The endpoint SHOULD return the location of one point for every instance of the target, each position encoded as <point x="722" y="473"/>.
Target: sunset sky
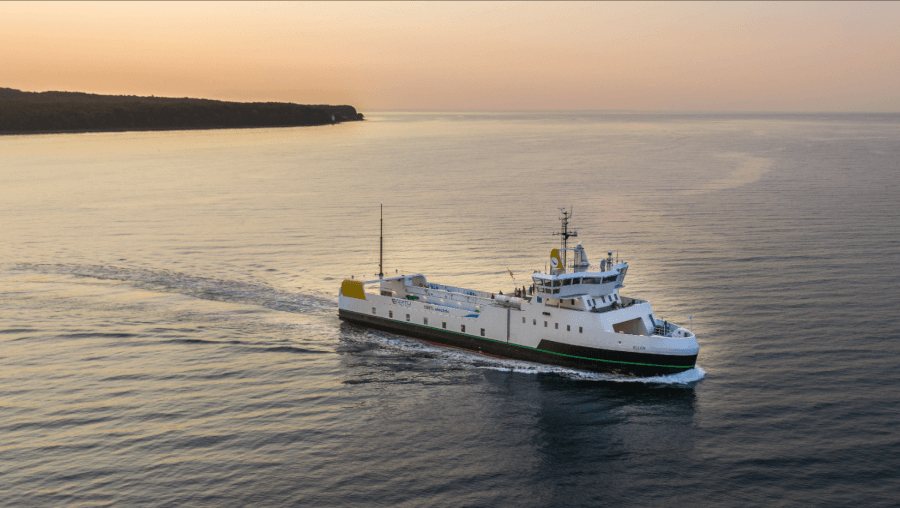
<point x="741" y="56"/>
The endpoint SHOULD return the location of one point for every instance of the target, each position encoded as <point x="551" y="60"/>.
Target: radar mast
<point x="565" y="233"/>
<point x="381" y="244"/>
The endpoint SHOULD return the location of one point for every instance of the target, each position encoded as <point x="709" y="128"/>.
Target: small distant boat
<point x="569" y="317"/>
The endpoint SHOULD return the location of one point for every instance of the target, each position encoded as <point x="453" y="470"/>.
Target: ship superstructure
<point x="571" y="317"/>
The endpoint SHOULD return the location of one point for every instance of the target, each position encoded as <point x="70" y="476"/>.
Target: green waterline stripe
<point x="528" y="347"/>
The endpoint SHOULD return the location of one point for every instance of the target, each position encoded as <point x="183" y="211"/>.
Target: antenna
<point x="565" y="233"/>
<point x="381" y="244"/>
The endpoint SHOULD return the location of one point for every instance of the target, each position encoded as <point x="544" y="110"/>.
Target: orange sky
<point x="467" y="56"/>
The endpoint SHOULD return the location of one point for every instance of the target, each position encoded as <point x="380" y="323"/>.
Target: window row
<point x="556" y="283"/>
<point x="462" y="328"/>
<point x="555" y="325"/>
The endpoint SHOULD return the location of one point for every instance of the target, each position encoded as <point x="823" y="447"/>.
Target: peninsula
<point x="44" y="112"/>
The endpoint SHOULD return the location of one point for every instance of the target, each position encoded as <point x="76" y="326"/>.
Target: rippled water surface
<point x="169" y="331"/>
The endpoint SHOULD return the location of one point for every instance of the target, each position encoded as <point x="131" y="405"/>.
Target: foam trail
<point x="199" y="287"/>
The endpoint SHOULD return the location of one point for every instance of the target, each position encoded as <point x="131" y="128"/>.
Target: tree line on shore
<point x="28" y="112"/>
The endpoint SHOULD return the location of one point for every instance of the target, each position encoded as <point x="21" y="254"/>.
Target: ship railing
<point x="477" y="298"/>
<point x="666" y="329"/>
<point x="452" y="289"/>
<point x="627" y="301"/>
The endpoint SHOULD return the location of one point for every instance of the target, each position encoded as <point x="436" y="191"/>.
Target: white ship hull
<point x="623" y="337"/>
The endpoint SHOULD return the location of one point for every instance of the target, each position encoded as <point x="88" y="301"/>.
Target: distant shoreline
<point x="75" y="112"/>
<point x="98" y="131"/>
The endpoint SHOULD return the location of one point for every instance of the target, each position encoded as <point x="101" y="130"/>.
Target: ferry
<point x="570" y="316"/>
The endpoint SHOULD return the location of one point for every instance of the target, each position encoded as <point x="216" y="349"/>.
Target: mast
<point x="381" y="244"/>
<point x="565" y="234"/>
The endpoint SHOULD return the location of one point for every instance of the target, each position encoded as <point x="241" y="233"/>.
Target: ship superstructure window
<point x="556" y="325"/>
<point x="568" y="328"/>
<point x="579" y="329"/>
<point x="523" y="319"/>
<point x="482" y="332"/>
<point x="407" y="318"/>
<point x="373" y="310"/>
<point x="426" y="321"/>
<point x="390" y="314"/>
<point x="545" y="324"/>
<point x="462" y="328"/>
<point x="444" y="324"/>
<point x="535" y="322"/>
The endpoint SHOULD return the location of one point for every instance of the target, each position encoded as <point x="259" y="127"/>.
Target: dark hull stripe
<point x="548" y="352"/>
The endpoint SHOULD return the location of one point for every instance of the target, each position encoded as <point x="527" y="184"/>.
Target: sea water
<point x="169" y="331"/>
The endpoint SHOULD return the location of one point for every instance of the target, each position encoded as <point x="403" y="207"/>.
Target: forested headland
<point x="37" y="112"/>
